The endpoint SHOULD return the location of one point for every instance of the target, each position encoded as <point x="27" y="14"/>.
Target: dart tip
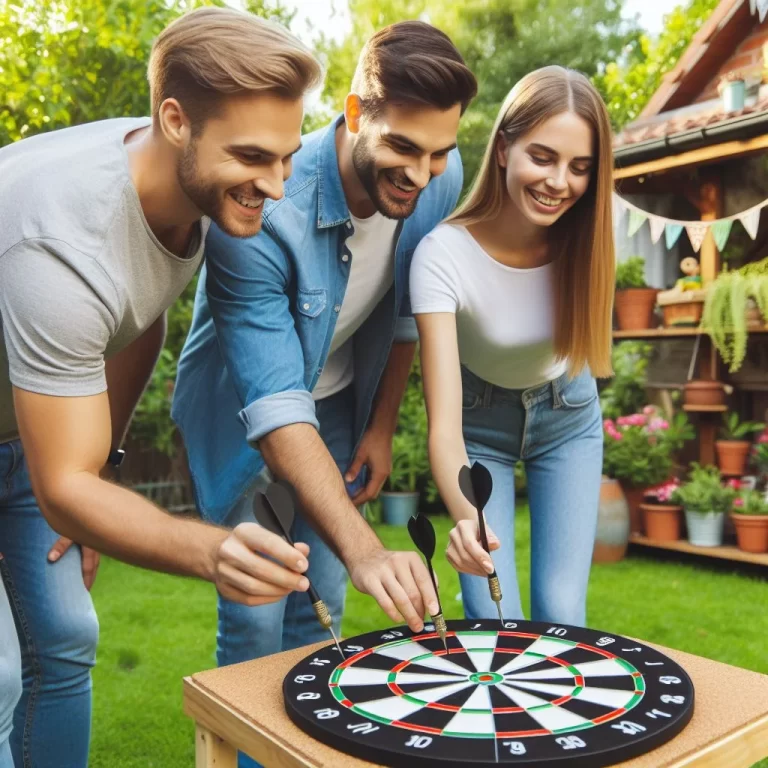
<point x="501" y="618"/>
<point x="336" y="640"/>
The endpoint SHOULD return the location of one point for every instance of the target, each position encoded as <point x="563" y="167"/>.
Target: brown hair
<point x="586" y="262"/>
<point x="210" y="53"/>
<point x="412" y="62"/>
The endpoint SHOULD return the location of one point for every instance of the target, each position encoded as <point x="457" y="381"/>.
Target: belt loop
<point x="556" y="401"/>
<point x="487" y="395"/>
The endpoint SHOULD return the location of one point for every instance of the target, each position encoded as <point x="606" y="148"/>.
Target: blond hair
<point x="585" y="263"/>
<point x="210" y="53"/>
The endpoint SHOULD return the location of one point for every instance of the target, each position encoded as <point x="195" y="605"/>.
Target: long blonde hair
<point x="585" y="263"/>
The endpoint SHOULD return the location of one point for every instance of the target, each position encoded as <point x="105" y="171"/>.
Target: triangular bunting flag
<point x="720" y="231"/>
<point x="751" y="221"/>
<point x="671" y="233"/>
<point x="636" y="219"/>
<point x="697" y="231"/>
<point x="618" y="209"/>
<point x="657" y="228"/>
<point x="762" y="9"/>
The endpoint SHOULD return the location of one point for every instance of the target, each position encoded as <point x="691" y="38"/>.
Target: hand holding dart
<point x="476" y="484"/>
<point x="274" y="510"/>
<point x="423" y="535"/>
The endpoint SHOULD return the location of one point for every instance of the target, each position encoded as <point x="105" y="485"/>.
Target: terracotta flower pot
<point x="663" y="522"/>
<point x="732" y="456"/>
<point x="612" y="535"/>
<point x="751" y="532"/>
<point x="634" y="498"/>
<point x="699" y="392"/>
<point x="634" y="308"/>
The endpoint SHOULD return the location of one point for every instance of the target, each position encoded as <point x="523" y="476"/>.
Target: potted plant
<point x="760" y="457"/>
<point x="635" y="301"/>
<point x="733" y="450"/>
<point x="662" y="518"/>
<point x="705" y="501"/>
<point x="732" y="89"/>
<point x="730" y="299"/>
<point x="750" y="516"/>
<point x="639" y="451"/>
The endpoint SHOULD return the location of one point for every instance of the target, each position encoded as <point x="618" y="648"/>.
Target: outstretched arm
<point x="441" y="372"/>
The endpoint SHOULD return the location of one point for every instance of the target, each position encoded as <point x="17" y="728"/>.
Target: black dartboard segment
<point x="532" y="694"/>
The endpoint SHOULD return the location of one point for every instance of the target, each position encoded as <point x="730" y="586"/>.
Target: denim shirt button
<point x="345" y="257"/>
<point x="337" y="308"/>
<point x="306" y="306"/>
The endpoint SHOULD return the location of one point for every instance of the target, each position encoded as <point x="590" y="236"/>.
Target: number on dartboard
<point x="307" y="696"/>
<point x="559" y="631"/>
<point x="654" y="713"/>
<point x="318" y="662"/>
<point x="354" y="648"/>
<point x="510" y="625"/>
<point x="420" y="742"/>
<point x="667" y="699"/>
<point x="392" y="635"/>
<point x="669" y="679"/>
<point x="303" y="678"/>
<point x="628" y="727"/>
<point x="605" y="641"/>
<point x="571" y="742"/>
<point x="653" y="663"/>
<point x="631" y="650"/>
<point x="429" y="628"/>
<point x="515" y="747"/>
<point x="326" y="714"/>
<point x="362" y="727"/>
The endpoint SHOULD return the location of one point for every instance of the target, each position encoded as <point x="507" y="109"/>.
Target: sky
<point x="321" y="14"/>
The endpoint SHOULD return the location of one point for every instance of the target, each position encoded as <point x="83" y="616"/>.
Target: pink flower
<point x="658" y="423"/>
<point x="763" y="437"/>
<point x="649" y="410"/>
<point x="608" y="425"/>
<point x="635" y="420"/>
<point x="738" y="502"/>
<point x="734" y="483"/>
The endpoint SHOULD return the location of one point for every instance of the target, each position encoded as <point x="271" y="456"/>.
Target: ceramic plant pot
<point x="612" y="534"/>
<point x="634" y="308"/>
<point x="398" y="507"/>
<point x="751" y="532"/>
<point x="705" y="529"/>
<point x="732" y="456"/>
<point x="663" y="522"/>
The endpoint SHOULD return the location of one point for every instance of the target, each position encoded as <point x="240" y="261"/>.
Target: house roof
<point x="673" y="109"/>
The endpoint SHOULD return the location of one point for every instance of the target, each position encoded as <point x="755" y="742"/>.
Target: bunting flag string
<point x="696" y="230"/>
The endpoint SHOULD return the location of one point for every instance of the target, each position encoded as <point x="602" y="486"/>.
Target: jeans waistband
<point x="471" y="382"/>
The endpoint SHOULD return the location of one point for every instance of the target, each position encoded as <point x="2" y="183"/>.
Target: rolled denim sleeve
<point x="246" y="289"/>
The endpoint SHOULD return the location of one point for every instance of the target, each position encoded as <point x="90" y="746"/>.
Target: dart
<point x="274" y="510"/>
<point x="423" y="535"/>
<point x="476" y="484"/>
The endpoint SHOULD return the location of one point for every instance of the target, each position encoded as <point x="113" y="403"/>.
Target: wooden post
<point x="212" y="751"/>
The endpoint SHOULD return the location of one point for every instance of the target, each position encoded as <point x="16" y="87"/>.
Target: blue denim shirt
<point x="264" y="319"/>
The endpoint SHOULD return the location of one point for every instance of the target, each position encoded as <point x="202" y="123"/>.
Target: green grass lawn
<point x="155" y="629"/>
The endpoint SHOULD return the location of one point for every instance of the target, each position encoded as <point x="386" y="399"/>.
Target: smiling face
<point x="241" y="157"/>
<point x="548" y="169"/>
<point x="397" y="153"/>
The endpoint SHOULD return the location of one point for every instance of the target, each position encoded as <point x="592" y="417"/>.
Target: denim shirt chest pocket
<point x="312" y="328"/>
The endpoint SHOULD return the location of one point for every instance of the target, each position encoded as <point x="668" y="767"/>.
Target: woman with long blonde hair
<point x="513" y="297"/>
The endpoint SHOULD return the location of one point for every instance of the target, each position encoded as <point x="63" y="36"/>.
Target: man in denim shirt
<point x="293" y="335"/>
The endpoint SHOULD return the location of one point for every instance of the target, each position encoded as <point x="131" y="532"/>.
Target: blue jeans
<point x="556" y="430"/>
<point x="247" y="633"/>
<point x="56" y="632"/>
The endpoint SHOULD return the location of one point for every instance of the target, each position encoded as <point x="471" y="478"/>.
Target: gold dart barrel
<point x="440" y="627"/>
<point x="495" y="587"/>
<point x="321" y="611"/>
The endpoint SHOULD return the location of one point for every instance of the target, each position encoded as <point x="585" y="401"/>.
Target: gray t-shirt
<point x="81" y="273"/>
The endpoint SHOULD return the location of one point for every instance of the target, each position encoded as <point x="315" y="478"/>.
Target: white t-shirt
<point x="372" y="271"/>
<point x="504" y="315"/>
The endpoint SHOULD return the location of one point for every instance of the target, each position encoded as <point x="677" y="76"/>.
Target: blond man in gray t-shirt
<point x="101" y="228"/>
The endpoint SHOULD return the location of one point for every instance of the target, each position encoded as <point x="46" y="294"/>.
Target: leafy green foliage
<point x="625" y="393"/>
<point x="704" y="491"/>
<point x="735" y="429"/>
<point x="628" y="82"/>
<point x="751" y="503"/>
<point x="725" y="309"/>
<point x="631" y="273"/>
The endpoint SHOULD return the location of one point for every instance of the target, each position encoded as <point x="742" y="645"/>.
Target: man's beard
<point x="206" y="198"/>
<point x="373" y="182"/>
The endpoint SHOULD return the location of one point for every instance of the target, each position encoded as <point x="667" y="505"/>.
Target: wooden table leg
<point x="211" y="751"/>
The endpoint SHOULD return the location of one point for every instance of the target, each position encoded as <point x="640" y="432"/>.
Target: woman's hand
<point x="465" y="552"/>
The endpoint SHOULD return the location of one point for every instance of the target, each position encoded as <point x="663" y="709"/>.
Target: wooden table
<point x="240" y="707"/>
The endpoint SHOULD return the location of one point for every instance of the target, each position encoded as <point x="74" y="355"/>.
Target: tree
<point x="66" y="62"/>
<point x="501" y="40"/>
<point x="627" y="85"/>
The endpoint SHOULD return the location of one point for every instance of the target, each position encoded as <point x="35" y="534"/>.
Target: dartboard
<point x="529" y="693"/>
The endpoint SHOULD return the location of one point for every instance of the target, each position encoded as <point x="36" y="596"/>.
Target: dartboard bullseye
<point x="531" y="694"/>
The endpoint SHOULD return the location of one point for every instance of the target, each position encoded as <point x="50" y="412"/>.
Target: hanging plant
<point x="726" y="306"/>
